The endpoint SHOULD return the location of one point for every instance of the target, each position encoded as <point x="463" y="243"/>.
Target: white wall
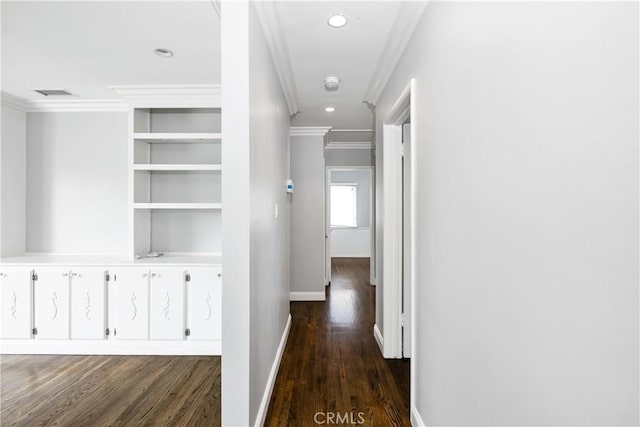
<point x="348" y="157"/>
<point x="307" y="214"/>
<point x="255" y="244"/>
<point x="77" y="182"/>
<point x="13" y="180"/>
<point x="269" y="127"/>
<point x="526" y="145"/>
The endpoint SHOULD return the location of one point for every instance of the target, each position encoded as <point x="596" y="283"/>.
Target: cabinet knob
<point x="65" y="274"/>
<point x="3" y="275"/>
<point x="144" y="275"/>
<point x="219" y="274"/>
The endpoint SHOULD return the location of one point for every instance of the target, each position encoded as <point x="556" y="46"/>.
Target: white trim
<point x="407" y="20"/>
<point x="76" y="105"/>
<point x="392" y="222"/>
<point x="307" y="296"/>
<point x="354" y="145"/>
<point x="309" y="131"/>
<point x="271" y="381"/>
<point x="171" y="95"/>
<point x="416" y="419"/>
<point x="277" y="42"/>
<point x="63" y="105"/>
<point x="112" y="347"/>
<point x="145" y="91"/>
<point x="378" y="336"/>
<point x="13" y="101"/>
<point x="352" y="130"/>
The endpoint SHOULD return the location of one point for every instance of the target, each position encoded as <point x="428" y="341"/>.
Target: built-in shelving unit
<point x="176" y="174"/>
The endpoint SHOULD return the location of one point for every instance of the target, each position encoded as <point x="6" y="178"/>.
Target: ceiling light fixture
<point x="337" y="21"/>
<point x="164" y="53"/>
<point x="330" y="109"/>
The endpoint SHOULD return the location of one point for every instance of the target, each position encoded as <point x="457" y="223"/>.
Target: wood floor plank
<point x="332" y="362"/>
<point x="109" y="391"/>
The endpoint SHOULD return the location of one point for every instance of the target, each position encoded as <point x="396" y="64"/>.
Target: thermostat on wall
<point x="289" y="186"/>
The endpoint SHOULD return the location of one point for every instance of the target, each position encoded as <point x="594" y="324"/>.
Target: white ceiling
<point x="351" y="53"/>
<point x="86" y="46"/>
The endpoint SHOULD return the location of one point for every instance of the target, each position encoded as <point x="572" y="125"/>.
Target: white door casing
<point x="16" y="303"/>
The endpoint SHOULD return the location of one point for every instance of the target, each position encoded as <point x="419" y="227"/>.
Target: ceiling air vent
<point x="54" y="92"/>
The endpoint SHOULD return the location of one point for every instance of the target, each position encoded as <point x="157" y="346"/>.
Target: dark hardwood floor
<point x="332" y="364"/>
<point x="109" y="391"/>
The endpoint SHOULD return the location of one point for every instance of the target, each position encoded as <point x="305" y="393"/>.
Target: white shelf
<point x="187" y="167"/>
<point x="178" y="138"/>
<point x="194" y="206"/>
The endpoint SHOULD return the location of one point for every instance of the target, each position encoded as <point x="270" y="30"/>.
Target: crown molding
<point x="63" y="105"/>
<point x="13" y="101"/>
<point x="407" y="20"/>
<point x="77" y="105"/>
<point x="268" y="16"/>
<point x="359" y="145"/>
<point x="309" y="131"/>
<point x="208" y="93"/>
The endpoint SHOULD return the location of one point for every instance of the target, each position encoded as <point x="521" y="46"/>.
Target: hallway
<point x="332" y="366"/>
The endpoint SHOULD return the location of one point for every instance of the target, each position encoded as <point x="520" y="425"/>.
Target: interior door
<point x="88" y="304"/>
<point x="15" y="303"/>
<point x="406" y="239"/>
<point x="131" y="303"/>
<point x="51" y="303"/>
<point x="204" y="308"/>
<point x="167" y="303"/>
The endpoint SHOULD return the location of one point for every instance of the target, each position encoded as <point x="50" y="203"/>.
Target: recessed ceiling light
<point x="337" y="21"/>
<point x="330" y="109"/>
<point x="165" y="53"/>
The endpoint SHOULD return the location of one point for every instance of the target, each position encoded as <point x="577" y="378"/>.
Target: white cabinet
<point x="131" y="288"/>
<point x="51" y="303"/>
<point x="204" y="305"/>
<point x="167" y="304"/>
<point x="88" y="303"/>
<point x="15" y="302"/>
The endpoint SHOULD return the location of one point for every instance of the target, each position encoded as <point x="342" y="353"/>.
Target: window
<point x="344" y="205"/>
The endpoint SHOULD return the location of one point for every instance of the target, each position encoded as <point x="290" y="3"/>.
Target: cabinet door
<point x="88" y="303"/>
<point x="51" y="303"/>
<point x="204" y="304"/>
<point x="167" y="304"/>
<point x="131" y="303"/>
<point x="15" y="303"/>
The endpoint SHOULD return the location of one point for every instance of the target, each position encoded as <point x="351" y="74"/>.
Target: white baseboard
<point x="108" y="347"/>
<point x="379" y="338"/>
<point x="271" y="381"/>
<point x="416" y="419"/>
<point x="307" y="296"/>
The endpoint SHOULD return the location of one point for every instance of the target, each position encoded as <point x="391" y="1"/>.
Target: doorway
<point x="349" y="205"/>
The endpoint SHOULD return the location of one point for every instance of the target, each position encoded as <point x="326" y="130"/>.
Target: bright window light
<point x="344" y="205"/>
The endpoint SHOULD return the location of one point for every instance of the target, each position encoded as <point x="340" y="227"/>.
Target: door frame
<point x="392" y="233"/>
<point x="327" y="216"/>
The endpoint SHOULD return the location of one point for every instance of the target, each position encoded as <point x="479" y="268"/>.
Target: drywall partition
<point x="307" y="214"/>
<point x="269" y="152"/>
<point x="526" y="145"/>
<point x="88" y="150"/>
<point x="348" y="157"/>
<point x="13" y="180"/>
<point x="255" y="241"/>
<point x="236" y="199"/>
